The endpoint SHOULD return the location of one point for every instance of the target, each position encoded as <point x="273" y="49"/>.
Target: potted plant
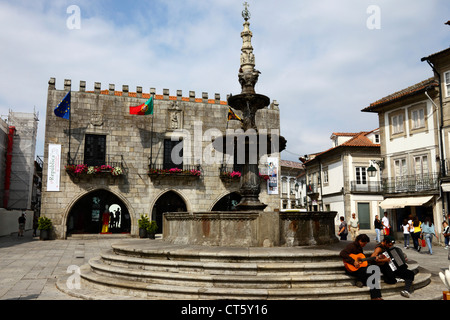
<point x="151" y="229"/>
<point x="143" y="223"/>
<point x="45" y="227"/>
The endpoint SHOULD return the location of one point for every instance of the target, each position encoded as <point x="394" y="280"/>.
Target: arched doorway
<point x="99" y="211"/>
<point x="228" y="202"/>
<point x="168" y="202"/>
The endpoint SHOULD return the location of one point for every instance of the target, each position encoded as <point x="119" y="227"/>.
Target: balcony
<point x="156" y="171"/>
<point x="229" y="174"/>
<point x="412" y="183"/>
<point x="368" y="187"/>
<point x="111" y="167"/>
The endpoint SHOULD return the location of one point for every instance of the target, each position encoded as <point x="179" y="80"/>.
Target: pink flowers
<point x="83" y="168"/>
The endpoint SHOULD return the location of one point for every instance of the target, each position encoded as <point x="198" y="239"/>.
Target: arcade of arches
<point x="101" y="211"/>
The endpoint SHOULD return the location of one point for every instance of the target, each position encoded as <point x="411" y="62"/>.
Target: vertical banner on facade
<point x="272" y="172"/>
<point x="54" y="167"/>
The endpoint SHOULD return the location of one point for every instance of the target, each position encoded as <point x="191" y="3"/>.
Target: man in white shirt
<point x="353" y="226"/>
<point x="385" y="223"/>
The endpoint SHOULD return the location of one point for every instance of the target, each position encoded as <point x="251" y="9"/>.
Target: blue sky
<point x="318" y="59"/>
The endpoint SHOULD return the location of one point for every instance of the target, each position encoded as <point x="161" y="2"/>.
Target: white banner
<point x="54" y="167"/>
<point x="272" y="172"/>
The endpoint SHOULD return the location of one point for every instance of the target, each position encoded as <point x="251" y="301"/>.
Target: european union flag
<point x="63" y="108"/>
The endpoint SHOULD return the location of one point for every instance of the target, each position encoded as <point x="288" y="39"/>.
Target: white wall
<point x="9" y="221"/>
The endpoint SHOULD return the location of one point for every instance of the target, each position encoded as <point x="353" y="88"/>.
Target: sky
<point x="323" y="61"/>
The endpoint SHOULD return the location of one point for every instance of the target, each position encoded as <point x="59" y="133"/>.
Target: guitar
<point x="358" y="257"/>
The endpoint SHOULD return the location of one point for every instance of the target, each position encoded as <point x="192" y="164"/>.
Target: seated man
<point x="355" y="268"/>
<point x="389" y="270"/>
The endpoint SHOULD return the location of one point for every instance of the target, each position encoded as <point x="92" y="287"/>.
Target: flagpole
<point x="70" y="128"/>
<point x="151" y="133"/>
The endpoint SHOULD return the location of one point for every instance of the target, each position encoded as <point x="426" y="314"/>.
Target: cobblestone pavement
<point x="29" y="267"/>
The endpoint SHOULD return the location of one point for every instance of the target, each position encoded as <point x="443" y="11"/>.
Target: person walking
<point x="35" y="224"/>
<point x="386" y="225"/>
<point x="378" y="228"/>
<point x="406" y="233"/>
<point x="428" y="232"/>
<point x="21" y="221"/>
<point x="446" y="233"/>
<point x="416" y="233"/>
<point x="353" y="225"/>
<point x="343" y="230"/>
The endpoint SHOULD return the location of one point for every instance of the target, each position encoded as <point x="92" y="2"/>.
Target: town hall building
<point x="105" y="167"/>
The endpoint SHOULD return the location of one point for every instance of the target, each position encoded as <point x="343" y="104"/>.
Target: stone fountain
<point x="250" y="226"/>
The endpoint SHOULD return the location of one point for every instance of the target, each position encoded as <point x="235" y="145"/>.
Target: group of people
<point x="352" y="227"/>
<point x="415" y="229"/>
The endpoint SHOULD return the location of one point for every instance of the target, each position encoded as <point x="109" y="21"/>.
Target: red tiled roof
<point x="359" y="140"/>
<point x="291" y="164"/>
<point x="414" y="89"/>
<point x="157" y="96"/>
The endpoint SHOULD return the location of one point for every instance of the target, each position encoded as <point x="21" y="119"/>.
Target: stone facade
<point x="130" y="143"/>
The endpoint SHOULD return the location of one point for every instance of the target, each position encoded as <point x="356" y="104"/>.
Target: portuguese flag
<point x="144" y="109"/>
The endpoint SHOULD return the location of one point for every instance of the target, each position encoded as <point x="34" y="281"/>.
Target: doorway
<point x="168" y="202"/>
<point x="364" y="215"/>
<point x="99" y="211"/>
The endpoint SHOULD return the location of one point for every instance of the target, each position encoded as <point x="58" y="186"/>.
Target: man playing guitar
<point x="351" y="256"/>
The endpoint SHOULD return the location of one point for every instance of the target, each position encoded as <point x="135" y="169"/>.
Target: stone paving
<point x="29" y="268"/>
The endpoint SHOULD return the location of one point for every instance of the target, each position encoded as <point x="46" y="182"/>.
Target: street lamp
<point x="372" y="171"/>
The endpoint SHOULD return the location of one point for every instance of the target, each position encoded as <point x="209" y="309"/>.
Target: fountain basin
<point x="250" y="228"/>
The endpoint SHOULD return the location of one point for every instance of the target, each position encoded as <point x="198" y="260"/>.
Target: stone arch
<point x="226" y="201"/>
<point x="168" y="201"/>
<point x="107" y="197"/>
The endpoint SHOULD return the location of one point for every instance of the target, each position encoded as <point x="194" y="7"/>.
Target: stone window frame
<point x="447" y="83"/>
<point x="416" y="108"/>
<point x="391" y="116"/>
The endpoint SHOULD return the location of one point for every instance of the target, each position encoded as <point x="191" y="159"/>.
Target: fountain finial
<point x="246" y="14"/>
<point x="248" y="76"/>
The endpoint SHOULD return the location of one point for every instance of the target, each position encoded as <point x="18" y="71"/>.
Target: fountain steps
<point x="174" y="272"/>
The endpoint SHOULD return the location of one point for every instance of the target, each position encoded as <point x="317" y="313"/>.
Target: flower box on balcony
<point x="230" y="176"/>
<point x="83" y="170"/>
<point x="175" y="172"/>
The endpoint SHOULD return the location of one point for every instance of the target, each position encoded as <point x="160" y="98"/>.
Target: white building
<point x="338" y="178"/>
<point x="409" y="134"/>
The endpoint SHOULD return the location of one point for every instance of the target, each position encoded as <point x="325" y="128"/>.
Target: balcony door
<point x="95" y="150"/>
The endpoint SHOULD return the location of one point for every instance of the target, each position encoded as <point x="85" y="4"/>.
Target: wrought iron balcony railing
<point x="161" y="170"/>
<point x="368" y="187"/>
<point x="411" y="183"/>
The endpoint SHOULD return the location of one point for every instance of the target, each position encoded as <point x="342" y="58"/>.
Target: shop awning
<point x="446" y="187"/>
<point x="395" y="203"/>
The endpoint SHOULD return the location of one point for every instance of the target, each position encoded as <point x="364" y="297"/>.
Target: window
<point x="173" y="154"/>
<point x="361" y="175"/>
<point x="397" y="124"/>
<point x="284" y="185"/>
<point x="421" y="165"/>
<point x="377" y="139"/>
<point x="401" y="181"/>
<point x="94" y="150"/>
<point x="447" y="83"/>
<point x="325" y="175"/>
<point x="418" y="118"/>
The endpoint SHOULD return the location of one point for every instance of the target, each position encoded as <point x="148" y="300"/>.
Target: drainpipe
<point x="8" y="166"/>
<point x="441" y="124"/>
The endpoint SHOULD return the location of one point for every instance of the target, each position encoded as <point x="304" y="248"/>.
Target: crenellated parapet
<point x="125" y="92"/>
